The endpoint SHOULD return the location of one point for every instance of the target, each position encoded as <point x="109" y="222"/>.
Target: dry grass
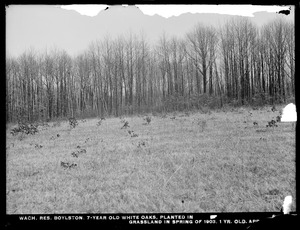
<point x="218" y="162"/>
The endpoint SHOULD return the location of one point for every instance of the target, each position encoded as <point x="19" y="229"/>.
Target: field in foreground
<point x="184" y="162"/>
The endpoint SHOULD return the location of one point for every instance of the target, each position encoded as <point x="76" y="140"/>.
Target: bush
<point x="25" y="129"/>
<point x="148" y="120"/>
<point x="73" y="122"/>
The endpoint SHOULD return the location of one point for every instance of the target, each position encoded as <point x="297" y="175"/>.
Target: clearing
<point x="220" y="161"/>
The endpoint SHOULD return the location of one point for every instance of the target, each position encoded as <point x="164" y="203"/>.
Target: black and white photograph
<point x="152" y="109"/>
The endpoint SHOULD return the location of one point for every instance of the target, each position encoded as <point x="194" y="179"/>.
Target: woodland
<point x="236" y="64"/>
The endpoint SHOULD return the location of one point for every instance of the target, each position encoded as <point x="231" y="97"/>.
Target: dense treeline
<point x="237" y="63"/>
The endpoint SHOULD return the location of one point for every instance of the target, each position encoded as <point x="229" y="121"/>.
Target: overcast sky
<point x="73" y="27"/>
<point x="175" y="10"/>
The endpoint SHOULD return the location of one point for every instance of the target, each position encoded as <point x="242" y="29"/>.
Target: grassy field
<point x="185" y="162"/>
